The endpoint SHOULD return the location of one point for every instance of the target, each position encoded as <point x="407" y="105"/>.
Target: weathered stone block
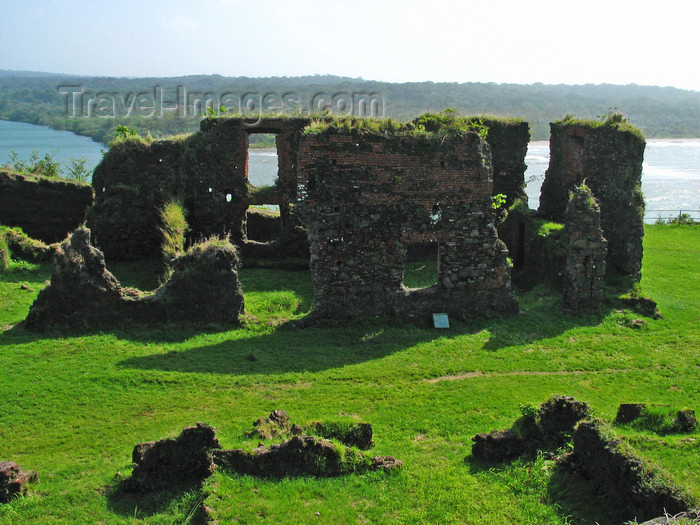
<point x="497" y="446"/>
<point x="168" y="462"/>
<point x="628" y="412"/>
<point x="14" y="480"/>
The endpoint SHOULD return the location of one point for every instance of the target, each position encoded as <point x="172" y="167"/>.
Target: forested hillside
<point x="52" y="100"/>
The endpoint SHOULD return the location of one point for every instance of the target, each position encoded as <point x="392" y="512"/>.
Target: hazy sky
<point x="518" y="41"/>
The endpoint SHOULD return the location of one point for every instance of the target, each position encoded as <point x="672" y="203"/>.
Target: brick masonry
<point x="364" y="198"/>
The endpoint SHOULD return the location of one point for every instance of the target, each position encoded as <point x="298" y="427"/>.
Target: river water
<point x="23" y="138"/>
<point x="670" y="177"/>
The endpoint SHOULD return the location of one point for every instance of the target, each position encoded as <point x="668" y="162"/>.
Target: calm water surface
<point x="23" y="138"/>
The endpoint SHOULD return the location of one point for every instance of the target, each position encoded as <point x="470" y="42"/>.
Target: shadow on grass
<point x="541" y="317"/>
<point x="286" y="350"/>
<point x="180" y="499"/>
<point x="582" y="499"/>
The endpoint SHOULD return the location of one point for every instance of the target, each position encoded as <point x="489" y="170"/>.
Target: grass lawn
<point x="74" y="405"/>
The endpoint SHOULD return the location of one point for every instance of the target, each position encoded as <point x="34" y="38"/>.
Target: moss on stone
<point x="614" y="120"/>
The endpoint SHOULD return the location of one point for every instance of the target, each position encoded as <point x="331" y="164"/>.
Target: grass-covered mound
<point x="74" y="405"/>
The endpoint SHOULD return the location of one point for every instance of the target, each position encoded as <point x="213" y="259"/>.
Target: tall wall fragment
<point x="608" y="157"/>
<point x="585" y="253"/>
<point x="364" y="197"/>
<point x="508" y="140"/>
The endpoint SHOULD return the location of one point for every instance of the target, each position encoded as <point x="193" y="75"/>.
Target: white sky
<point x="515" y="41"/>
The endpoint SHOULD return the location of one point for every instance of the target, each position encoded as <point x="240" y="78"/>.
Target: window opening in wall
<point x="422" y="265"/>
<point x="263" y="218"/>
<point x="262" y="159"/>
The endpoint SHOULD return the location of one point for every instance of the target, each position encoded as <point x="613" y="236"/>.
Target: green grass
<point x="74" y="405"/>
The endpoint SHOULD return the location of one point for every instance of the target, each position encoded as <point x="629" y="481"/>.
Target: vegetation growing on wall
<point x="173" y="230"/>
<point x="613" y="119"/>
<point x="44" y="165"/>
<point x="430" y="126"/>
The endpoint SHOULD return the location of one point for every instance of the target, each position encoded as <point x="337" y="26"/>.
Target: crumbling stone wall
<point x="207" y="171"/>
<point x="47" y="209"/>
<point x="203" y="288"/>
<point x="364" y="198"/>
<point x="626" y="479"/>
<point x="609" y="159"/>
<point x="135" y="178"/>
<point x="585" y="253"/>
<point x="508" y="140"/>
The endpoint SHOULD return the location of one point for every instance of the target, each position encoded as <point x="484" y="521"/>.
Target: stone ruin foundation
<point x="196" y="453"/>
<point x="203" y="288"/>
<point x="637" y="489"/>
<point x="608" y="158"/>
<point x="585" y="253"/>
<point x="364" y="199"/>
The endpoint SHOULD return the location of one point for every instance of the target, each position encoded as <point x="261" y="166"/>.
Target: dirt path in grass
<point x="477" y="373"/>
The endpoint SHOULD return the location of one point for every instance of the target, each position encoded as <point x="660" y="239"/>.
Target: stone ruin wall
<point x="207" y="171"/>
<point x="609" y="160"/>
<point x="364" y="199"/>
<point x="508" y="142"/>
<point x="83" y="294"/>
<point x="135" y="178"/>
<point x="585" y="254"/>
<point x="46" y="209"/>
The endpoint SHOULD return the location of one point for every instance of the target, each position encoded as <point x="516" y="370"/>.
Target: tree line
<point x="104" y="103"/>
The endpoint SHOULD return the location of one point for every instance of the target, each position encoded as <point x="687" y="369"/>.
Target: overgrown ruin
<point x="607" y="156"/>
<point x="357" y="194"/>
<point x="203" y="288"/>
<point x="365" y="198"/>
<point x="585" y="253"/>
<point x="196" y="453"/>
